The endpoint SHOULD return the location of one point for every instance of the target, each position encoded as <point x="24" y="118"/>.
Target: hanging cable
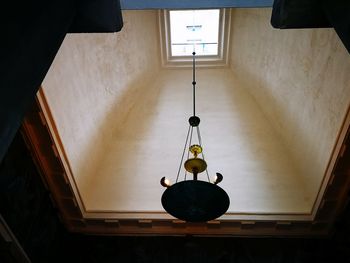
<point x="199" y="136"/>
<point x="188" y="152"/>
<point x="183" y="153"/>
<point x="200" y="144"/>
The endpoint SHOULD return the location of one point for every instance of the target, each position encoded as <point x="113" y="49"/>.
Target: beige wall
<point x="238" y="141"/>
<point x="94" y="79"/>
<point x="301" y="81"/>
<point x="269" y="122"/>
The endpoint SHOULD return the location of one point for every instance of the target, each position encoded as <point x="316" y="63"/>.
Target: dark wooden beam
<point x="97" y="16"/>
<point x="313" y="14"/>
<point x="34" y="32"/>
<point x="298" y="14"/>
<point x="338" y="14"/>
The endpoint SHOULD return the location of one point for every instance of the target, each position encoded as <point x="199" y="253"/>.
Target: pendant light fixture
<point x="194" y="200"/>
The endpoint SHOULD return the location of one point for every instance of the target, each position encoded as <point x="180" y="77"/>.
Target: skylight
<point x="205" y="31"/>
<point x="194" y="30"/>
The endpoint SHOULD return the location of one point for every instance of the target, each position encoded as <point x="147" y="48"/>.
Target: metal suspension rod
<point x="194" y="83"/>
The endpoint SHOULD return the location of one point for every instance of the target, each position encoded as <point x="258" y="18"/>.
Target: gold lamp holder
<point x="195" y="165"/>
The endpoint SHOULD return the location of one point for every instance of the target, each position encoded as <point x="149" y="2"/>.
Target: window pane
<point x="194" y="30"/>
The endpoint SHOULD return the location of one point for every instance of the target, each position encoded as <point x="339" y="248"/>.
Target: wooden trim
<point x="221" y="60"/>
<point x="52" y="129"/>
<point x="337" y="153"/>
<point x="58" y="177"/>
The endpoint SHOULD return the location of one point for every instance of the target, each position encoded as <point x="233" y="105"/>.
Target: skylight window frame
<point x="219" y="60"/>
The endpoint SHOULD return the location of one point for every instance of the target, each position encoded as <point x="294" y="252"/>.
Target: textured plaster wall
<point x="301" y="81"/>
<point x="93" y="81"/>
<point x="238" y="141"/>
<point x="268" y="123"/>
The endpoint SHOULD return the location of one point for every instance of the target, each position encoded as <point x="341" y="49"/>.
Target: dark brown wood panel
<point x="41" y="144"/>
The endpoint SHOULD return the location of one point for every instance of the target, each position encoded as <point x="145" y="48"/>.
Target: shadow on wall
<point x="127" y="122"/>
<point x="255" y="83"/>
<point x="296" y="134"/>
<point x="263" y="171"/>
<point x="93" y="74"/>
<point x="299" y="79"/>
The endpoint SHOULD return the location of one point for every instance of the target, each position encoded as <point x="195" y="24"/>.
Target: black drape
<point x="32" y="32"/>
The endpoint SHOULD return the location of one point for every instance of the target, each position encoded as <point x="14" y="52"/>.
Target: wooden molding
<point x="56" y="174"/>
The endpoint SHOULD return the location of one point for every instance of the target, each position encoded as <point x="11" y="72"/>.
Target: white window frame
<point x="219" y="60"/>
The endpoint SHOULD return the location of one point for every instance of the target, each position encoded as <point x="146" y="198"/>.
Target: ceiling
<point x="272" y="122"/>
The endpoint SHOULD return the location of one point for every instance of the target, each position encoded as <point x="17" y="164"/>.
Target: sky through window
<point x="194" y="30"/>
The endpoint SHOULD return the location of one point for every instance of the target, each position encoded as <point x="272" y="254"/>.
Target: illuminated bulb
<point x="218" y="178"/>
<point x="165" y="182"/>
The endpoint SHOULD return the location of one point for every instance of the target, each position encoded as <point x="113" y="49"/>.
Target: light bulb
<point x="165" y="182"/>
<point x="218" y="178"/>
